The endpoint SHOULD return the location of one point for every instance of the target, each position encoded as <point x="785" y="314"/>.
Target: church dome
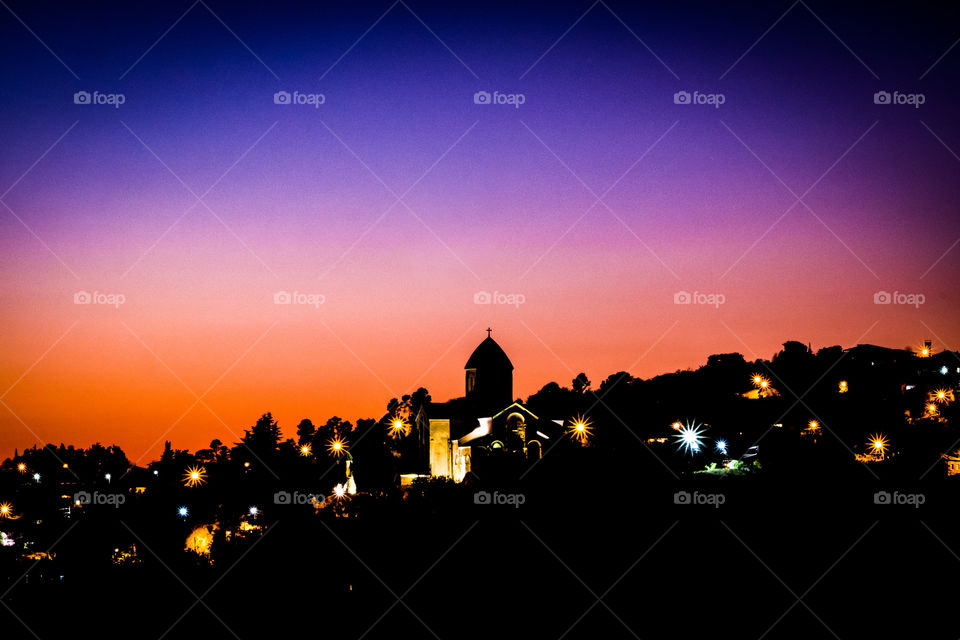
<point x="488" y="355"/>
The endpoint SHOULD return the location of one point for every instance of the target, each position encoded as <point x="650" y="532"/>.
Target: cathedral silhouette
<point x="486" y="429"/>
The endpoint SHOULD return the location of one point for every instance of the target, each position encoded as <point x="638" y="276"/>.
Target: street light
<point x="195" y="476"/>
<point x="398" y="427"/>
<point x="879" y="445"/>
<point x="580" y="429"/>
<point x="337" y="447"/>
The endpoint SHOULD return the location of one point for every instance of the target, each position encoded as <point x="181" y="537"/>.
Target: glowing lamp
<point x="195" y="476"/>
<point x="337" y="447"/>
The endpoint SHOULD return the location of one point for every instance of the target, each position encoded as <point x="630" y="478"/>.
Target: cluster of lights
<point x="762" y="384"/>
<point x="843" y="387"/>
<point x="195" y="476"/>
<point x="580" y="429"/>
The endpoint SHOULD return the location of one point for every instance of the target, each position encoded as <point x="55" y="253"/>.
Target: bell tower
<point x="489" y="376"/>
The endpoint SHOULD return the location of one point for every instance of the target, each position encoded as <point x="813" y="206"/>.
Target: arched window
<point x="534" y="450"/>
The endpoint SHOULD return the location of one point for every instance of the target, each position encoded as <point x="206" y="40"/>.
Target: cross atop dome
<point x="489" y="375"/>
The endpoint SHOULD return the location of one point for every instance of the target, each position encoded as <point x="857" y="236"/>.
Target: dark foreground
<point x="787" y="557"/>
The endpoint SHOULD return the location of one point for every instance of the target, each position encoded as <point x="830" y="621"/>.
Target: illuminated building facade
<point x="486" y="428"/>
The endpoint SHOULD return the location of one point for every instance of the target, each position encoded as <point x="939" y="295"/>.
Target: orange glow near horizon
<point x="98" y="382"/>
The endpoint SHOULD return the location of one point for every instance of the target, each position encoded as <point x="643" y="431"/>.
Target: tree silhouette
<point x="263" y="438"/>
<point x="581" y="383"/>
<point x="305" y="432"/>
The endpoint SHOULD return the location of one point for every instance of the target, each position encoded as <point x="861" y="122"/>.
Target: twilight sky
<point x="594" y="202"/>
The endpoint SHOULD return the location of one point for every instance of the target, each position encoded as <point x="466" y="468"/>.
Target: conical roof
<point x="488" y="355"/>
